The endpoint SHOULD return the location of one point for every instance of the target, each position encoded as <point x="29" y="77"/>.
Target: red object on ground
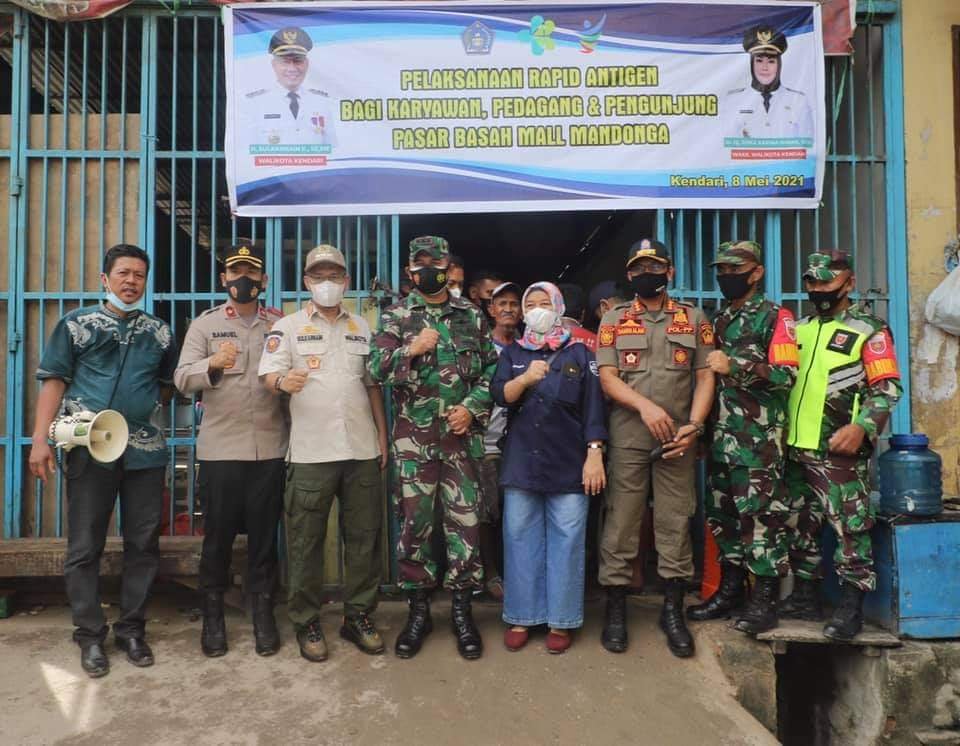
<point x="559" y="643"/>
<point x="515" y="639"/>
<point x="711" y="566"/>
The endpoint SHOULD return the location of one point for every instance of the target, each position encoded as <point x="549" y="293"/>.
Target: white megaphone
<point x="104" y="434"/>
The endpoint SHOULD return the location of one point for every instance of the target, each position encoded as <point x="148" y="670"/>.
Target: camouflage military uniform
<point x="432" y="462"/>
<point x="827" y="396"/>
<point x="746" y="509"/>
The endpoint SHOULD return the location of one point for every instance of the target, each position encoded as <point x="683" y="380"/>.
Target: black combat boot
<point x="461" y="615"/>
<point x="804" y="602"/>
<point x="671" y="619"/>
<point x="265" y="633"/>
<point x="419" y="624"/>
<point x="213" y="636"/>
<point x="614" y="636"/>
<point x="847" y="618"/>
<point x="729" y="596"/>
<point x="761" y="613"/>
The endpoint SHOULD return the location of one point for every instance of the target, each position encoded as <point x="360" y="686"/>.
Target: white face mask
<point x="540" y="320"/>
<point x="327" y="294"/>
<point x="455" y="292"/>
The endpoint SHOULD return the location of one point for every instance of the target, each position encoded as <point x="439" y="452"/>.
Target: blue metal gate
<point x="111" y="131"/>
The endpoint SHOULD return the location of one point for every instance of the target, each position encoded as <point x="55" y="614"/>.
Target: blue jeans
<point x="543" y="550"/>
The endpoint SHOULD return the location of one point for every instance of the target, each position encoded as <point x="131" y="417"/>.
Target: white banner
<point x="380" y="108"/>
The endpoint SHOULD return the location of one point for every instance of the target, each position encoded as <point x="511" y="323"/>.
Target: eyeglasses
<point x="648" y="266"/>
<point x="325" y="276"/>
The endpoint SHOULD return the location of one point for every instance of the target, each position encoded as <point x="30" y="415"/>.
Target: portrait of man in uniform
<point x="289" y="110"/>
<point x="766" y="108"/>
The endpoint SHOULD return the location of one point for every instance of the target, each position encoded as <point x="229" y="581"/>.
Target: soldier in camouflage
<point x="756" y="364"/>
<point x="435" y="351"/>
<point x="847" y="384"/>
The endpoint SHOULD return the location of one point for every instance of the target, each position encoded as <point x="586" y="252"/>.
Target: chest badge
<point x="630" y="327"/>
<point x="842" y="342"/>
<point x="632" y="358"/>
<point x="313" y="362"/>
<point x="571" y="370"/>
<point x="681" y="356"/>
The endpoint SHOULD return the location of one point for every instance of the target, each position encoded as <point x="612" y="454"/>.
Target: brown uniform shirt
<point x="656" y="354"/>
<point x="242" y="421"/>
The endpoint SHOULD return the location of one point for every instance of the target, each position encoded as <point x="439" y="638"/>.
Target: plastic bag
<point x="943" y="305"/>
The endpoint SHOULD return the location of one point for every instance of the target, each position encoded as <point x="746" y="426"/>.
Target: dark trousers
<point x="240" y="497"/>
<point x="92" y="490"/>
<point x="310" y="492"/>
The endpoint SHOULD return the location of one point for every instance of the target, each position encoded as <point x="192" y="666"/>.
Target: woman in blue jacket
<point x="552" y="462"/>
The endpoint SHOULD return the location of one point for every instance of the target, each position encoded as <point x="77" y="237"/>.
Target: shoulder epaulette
<point x="736" y="90"/>
<point x="274" y="311"/>
<point x="794" y="90"/>
<point x="258" y="92"/>
<point x="208" y="312"/>
<point x="319" y="92"/>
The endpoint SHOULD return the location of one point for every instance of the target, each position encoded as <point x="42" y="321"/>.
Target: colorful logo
<point x="591" y="34"/>
<point x="477" y="39"/>
<point x="539" y="35"/>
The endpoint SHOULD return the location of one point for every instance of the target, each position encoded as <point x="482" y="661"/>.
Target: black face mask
<point x="826" y="300"/>
<point x="649" y="285"/>
<point x="734" y="287"/>
<point x="244" y="290"/>
<point x="432" y="279"/>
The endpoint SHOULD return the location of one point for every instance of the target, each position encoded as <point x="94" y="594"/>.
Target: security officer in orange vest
<point x="652" y="353"/>
<point x="241" y="446"/>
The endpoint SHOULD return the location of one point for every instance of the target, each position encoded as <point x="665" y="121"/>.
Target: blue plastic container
<point x="910" y="477"/>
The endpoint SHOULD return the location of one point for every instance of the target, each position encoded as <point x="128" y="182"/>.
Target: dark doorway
<point x="578" y="247"/>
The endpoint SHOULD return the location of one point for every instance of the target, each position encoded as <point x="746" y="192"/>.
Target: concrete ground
<point x="529" y="697"/>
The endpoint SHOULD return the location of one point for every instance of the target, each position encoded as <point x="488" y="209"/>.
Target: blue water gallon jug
<point x="910" y="477"/>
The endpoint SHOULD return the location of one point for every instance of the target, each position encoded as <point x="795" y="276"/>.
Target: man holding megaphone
<point x="112" y="356"/>
<point x="241" y="446"/>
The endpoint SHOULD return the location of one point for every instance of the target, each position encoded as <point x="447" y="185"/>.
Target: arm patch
<point x="879" y="358"/>
<point x="783" y="345"/>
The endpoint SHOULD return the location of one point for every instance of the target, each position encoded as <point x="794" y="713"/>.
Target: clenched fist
<point x="425" y="341"/>
<point x="536" y="372"/>
<point x="225" y="358"/>
<point x="294" y="381"/>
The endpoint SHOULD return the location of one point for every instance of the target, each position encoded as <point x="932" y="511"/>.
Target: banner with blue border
<point x="399" y="108"/>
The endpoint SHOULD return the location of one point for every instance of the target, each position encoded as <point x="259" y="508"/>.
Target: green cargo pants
<point x="310" y="491"/>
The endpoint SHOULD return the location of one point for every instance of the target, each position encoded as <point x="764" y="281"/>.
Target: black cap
<point x="764" y="40"/>
<point x="290" y="41"/>
<point x="243" y="252"/>
<point x="601" y="291"/>
<point x="648" y="248"/>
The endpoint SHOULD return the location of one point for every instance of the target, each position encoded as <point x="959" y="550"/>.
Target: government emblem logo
<point x="477" y="39"/>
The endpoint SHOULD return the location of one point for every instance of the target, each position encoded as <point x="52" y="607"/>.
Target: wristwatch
<point x="595" y="446"/>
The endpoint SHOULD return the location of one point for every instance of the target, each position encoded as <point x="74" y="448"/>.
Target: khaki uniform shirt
<point x="331" y="418"/>
<point x="242" y="421"/>
<point x="656" y="354"/>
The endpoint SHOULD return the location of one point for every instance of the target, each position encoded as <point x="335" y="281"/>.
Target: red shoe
<point x="514" y="639"/>
<point x="557" y="643"/>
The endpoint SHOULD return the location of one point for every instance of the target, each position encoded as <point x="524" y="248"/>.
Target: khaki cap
<point x="324" y="254"/>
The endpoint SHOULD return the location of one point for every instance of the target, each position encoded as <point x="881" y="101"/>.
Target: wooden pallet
<point x="871" y="639"/>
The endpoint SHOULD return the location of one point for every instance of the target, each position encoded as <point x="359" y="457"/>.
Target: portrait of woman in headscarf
<point x="552" y="464"/>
